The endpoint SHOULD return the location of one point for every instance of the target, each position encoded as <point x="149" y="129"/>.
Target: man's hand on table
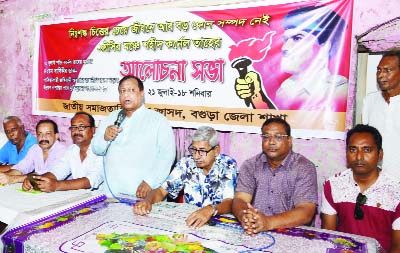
<point x="246" y="217"/>
<point x="46" y="184"/>
<point x="253" y="221"/>
<point x="142" y="208"/>
<point x="4" y="178"/>
<point x="26" y="185"/>
<point x="260" y="223"/>
<point x="199" y="217"/>
<point x="143" y="189"/>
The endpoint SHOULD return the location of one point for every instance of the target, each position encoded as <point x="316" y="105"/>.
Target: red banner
<point x="230" y="66"/>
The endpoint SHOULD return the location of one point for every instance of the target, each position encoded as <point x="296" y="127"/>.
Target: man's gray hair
<point x="9" y="118"/>
<point x="206" y="133"/>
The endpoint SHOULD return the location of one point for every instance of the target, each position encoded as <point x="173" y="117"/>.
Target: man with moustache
<point x="79" y="161"/>
<point x="381" y="109"/>
<point x="138" y="150"/>
<point x="278" y="187"/>
<point x="18" y="144"/>
<point x="363" y="199"/>
<point x="207" y="178"/>
<point x="41" y="158"/>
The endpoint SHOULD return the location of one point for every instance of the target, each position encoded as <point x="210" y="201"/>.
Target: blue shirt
<point x="144" y="150"/>
<point x="199" y="189"/>
<point x="9" y="153"/>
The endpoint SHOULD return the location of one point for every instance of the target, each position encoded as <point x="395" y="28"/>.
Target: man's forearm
<point x="74" y="184"/>
<point x="5" y="168"/>
<point x="14" y="172"/>
<point x="13" y="179"/>
<point x="156" y="195"/>
<point x="238" y="206"/>
<point x="49" y="175"/>
<point x="225" y="206"/>
<point x="298" y="216"/>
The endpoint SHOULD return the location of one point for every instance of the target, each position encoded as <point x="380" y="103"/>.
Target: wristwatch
<point x="214" y="207"/>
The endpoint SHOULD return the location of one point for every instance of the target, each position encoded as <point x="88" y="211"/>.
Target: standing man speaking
<point x="138" y="144"/>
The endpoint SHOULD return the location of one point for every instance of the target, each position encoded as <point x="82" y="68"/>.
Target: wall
<point x="17" y="19"/>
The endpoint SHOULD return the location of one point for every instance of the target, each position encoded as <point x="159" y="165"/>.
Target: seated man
<point x="278" y="187"/>
<point x="41" y="157"/>
<point x="85" y="167"/>
<point x="18" y="144"/>
<point x="363" y="199"/>
<point x="207" y="177"/>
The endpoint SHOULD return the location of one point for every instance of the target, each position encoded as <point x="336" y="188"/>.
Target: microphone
<point x="120" y="118"/>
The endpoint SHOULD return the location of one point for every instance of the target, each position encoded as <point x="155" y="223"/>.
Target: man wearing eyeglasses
<point x="18" y="144"/>
<point x="79" y="161"/>
<point x="278" y="187"/>
<point x="207" y="178"/>
<point x="363" y="199"/>
<point x="40" y="158"/>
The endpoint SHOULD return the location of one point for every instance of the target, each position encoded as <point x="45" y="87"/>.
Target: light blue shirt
<point x="144" y="150"/>
<point x="9" y="153"/>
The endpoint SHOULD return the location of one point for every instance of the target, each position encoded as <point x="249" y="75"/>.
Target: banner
<point x="230" y="67"/>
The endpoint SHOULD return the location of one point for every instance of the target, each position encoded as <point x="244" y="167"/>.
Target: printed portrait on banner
<point x="229" y="66"/>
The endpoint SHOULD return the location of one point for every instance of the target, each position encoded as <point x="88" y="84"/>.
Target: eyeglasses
<point x="277" y="137"/>
<point x="358" y="212"/>
<point x="193" y="151"/>
<point x="80" y="128"/>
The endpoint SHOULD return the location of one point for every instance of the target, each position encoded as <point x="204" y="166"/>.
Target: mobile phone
<point x="34" y="181"/>
<point x="211" y="223"/>
<point x="3" y="227"/>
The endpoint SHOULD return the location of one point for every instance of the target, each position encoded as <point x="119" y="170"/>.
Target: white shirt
<point x="91" y="167"/>
<point x="386" y="118"/>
